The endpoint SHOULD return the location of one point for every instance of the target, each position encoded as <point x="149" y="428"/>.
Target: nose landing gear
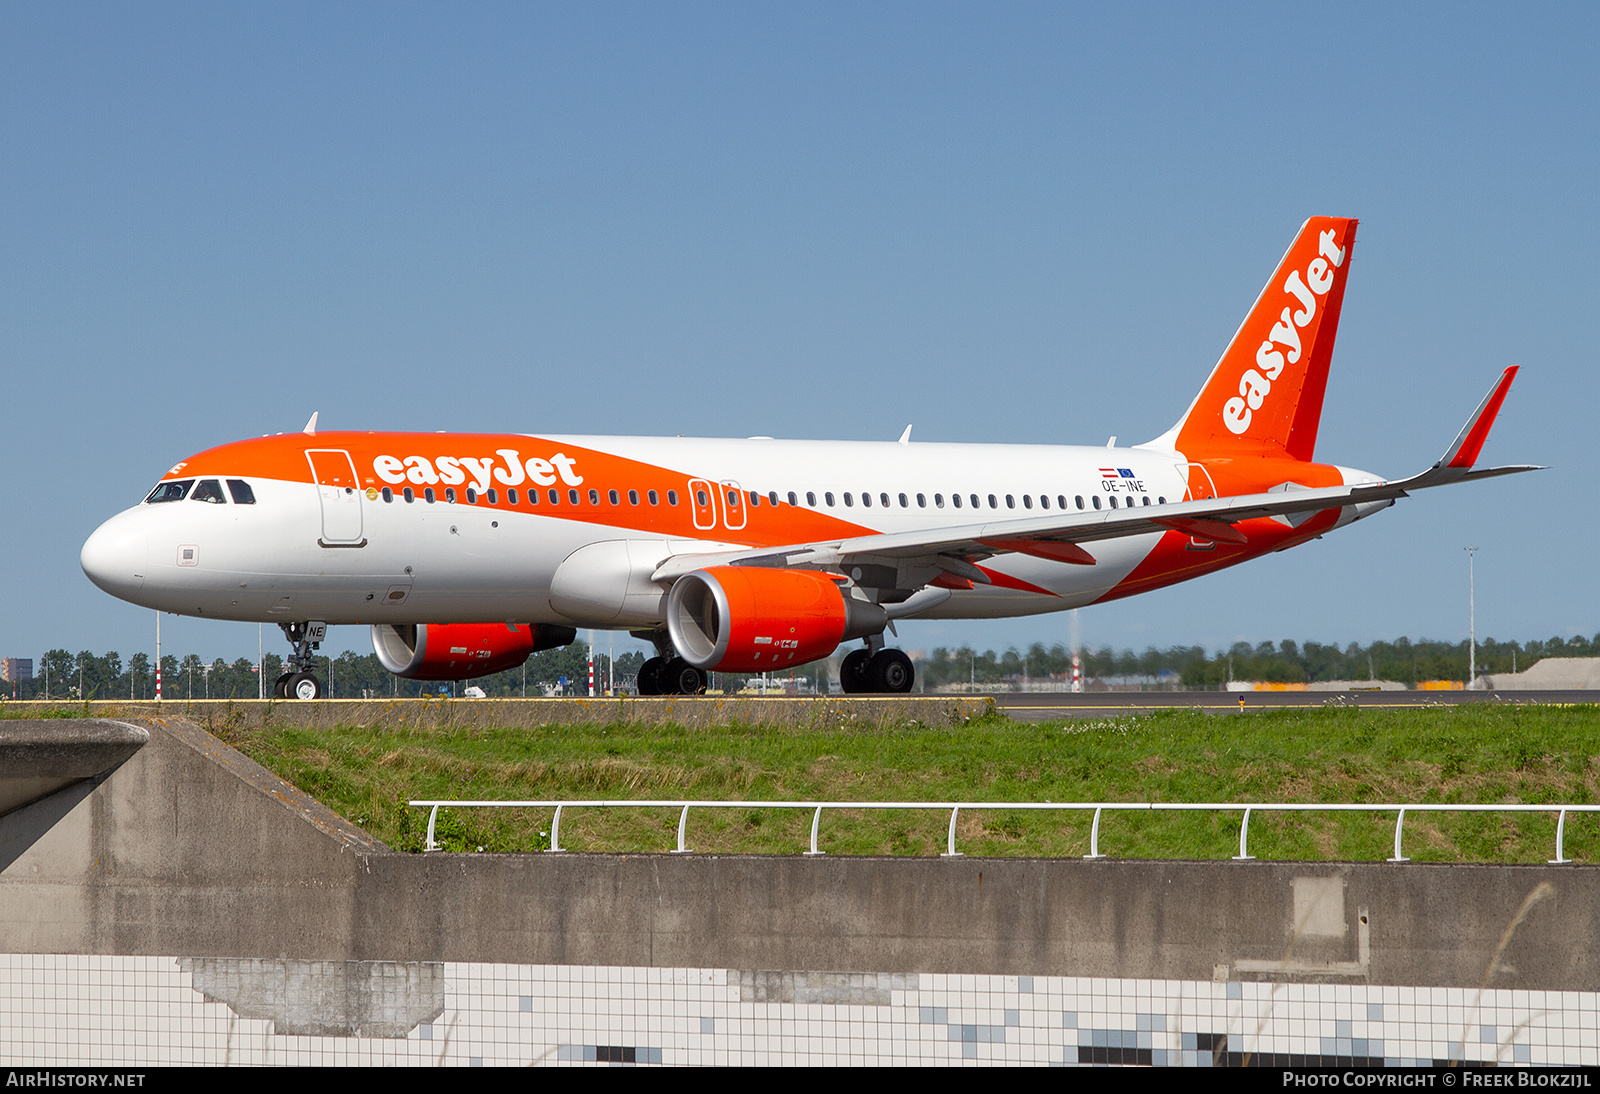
<point x="297" y="682"/>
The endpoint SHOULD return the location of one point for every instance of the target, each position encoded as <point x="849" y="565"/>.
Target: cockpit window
<point x="169" y="491"/>
<point x="242" y="494"/>
<point x="208" y="490"/>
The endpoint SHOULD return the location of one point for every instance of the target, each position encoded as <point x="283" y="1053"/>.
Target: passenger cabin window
<point x="208" y="490"/>
<point x="772" y="496"/>
<point x="388" y="495"/>
<point x="494" y="497"/>
<point x="827" y="496"/>
<point x="409" y="495"/>
<point x="955" y="499"/>
<point x="169" y="491"/>
<point x="427" y="494"/>
<point x="811" y="498"/>
<point x="672" y="497"/>
<point x="594" y="497"/>
<point x="472" y="496"/>
<point x="450" y="495"/>
<point x="655" y="498"/>
<point x="242" y="494"/>
<point x="612" y="496"/>
<point x="511" y="496"/>
<point x="633" y="497"/>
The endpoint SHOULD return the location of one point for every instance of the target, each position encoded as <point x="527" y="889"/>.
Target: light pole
<point x="1472" y="617"/>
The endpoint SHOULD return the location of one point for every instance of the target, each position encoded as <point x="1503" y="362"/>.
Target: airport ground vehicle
<point x="465" y="553"/>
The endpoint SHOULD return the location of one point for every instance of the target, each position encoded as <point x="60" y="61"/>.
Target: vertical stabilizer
<point x="1266" y="392"/>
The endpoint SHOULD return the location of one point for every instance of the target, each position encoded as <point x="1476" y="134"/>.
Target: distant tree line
<point x="1285" y="662"/>
<point x="60" y="674"/>
<point x="85" y="675"/>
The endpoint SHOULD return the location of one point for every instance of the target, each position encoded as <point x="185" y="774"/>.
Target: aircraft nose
<point x="117" y="556"/>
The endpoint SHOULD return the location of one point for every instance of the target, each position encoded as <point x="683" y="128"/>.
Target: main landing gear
<point x="885" y="671"/>
<point x="297" y="682"/>
<point x="876" y="669"/>
<point x="670" y="676"/>
<point x="666" y="673"/>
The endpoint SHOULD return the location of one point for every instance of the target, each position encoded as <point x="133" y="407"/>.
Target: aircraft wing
<point x="953" y="549"/>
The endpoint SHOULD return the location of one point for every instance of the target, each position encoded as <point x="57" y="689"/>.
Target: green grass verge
<point x="1477" y="753"/>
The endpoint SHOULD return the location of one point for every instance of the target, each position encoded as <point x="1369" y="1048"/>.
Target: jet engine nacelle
<point x="752" y="619"/>
<point x="461" y="651"/>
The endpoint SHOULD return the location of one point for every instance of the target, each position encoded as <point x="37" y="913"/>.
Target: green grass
<point x="1484" y="754"/>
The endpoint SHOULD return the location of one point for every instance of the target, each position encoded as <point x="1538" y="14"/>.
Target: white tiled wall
<point x="77" y="1010"/>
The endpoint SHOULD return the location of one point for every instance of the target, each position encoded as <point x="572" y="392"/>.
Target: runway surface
<point x="1040" y="706"/>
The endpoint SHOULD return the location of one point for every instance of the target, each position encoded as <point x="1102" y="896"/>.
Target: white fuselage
<point x="441" y="562"/>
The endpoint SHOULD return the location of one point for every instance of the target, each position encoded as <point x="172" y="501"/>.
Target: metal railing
<point x="955" y="809"/>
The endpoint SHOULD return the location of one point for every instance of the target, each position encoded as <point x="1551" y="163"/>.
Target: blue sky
<point x="998" y="222"/>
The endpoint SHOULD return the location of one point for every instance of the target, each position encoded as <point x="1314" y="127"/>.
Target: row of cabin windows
<point x="972" y="500"/>
<point x="574" y="497"/>
<point x="513" y="497"/>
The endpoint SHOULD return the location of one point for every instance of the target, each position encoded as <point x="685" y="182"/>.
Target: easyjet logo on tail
<point x="1304" y="290"/>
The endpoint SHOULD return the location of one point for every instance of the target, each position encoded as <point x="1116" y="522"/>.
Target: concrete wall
<point x="190" y="848"/>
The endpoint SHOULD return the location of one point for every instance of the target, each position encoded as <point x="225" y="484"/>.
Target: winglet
<point x="905" y="438"/>
<point x="1469" y="442"/>
<point x="311" y="426"/>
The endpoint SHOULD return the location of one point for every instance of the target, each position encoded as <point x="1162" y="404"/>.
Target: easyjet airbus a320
<point x="465" y="553"/>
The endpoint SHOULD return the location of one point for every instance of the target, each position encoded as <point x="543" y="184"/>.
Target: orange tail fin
<point x="1266" y="392"/>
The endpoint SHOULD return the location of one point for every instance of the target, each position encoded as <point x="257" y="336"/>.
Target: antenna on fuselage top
<point x="311" y="425"/>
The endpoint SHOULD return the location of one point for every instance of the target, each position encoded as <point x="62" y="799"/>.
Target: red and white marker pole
<point x="1077" y="673"/>
<point x="591" y="672"/>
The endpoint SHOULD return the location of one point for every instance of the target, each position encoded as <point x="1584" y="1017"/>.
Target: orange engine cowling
<point x="751" y="619"/>
<point x="461" y="651"/>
